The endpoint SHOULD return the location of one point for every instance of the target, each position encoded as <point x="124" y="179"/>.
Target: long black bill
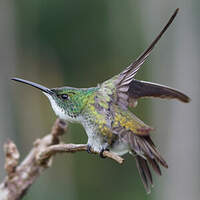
<point x="40" y="87"/>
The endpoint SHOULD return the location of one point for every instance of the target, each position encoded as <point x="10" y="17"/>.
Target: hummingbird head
<point x="67" y="102"/>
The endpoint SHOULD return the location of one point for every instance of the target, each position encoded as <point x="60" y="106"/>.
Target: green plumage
<point x="103" y="112"/>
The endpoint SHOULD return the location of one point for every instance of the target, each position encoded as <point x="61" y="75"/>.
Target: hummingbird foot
<point x="89" y="148"/>
<point x="101" y="152"/>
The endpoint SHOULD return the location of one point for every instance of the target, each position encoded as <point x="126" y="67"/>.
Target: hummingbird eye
<point x="64" y="96"/>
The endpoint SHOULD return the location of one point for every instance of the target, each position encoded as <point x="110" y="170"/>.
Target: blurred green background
<point x="81" y="43"/>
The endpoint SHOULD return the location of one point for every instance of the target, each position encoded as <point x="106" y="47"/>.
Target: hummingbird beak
<point x="40" y="87"/>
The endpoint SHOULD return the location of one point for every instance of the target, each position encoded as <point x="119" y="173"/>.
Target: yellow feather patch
<point x="131" y="123"/>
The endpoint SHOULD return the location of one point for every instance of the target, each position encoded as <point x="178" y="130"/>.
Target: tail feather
<point x="145" y="173"/>
<point x="155" y="152"/>
<point x="155" y="166"/>
<point x="146" y="152"/>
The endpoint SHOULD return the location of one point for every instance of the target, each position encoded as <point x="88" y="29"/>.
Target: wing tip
<point x="176" y="11"/>
<point x="181" y="97"/>
<point x="186" y="99"/>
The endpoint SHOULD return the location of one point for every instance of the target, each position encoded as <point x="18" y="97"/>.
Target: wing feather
<point x="124" y="90"/>
<point x="131" y="70"/>
<point x="126" y="85"/>
<point x="139" y="89"/>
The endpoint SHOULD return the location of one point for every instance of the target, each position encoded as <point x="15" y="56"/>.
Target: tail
<point x="146" y="153"/>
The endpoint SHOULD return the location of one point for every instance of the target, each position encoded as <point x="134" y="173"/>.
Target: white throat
<point x="61" y="113"/>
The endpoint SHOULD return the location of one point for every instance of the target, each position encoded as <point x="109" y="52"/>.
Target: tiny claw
<point x="89" y="148"/>
<point x="101" y="153"/>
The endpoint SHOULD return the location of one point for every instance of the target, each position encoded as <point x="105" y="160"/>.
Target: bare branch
<point x="17" y="182"/>
<point x="20" y="177"/>
<point x="62" y="148"/>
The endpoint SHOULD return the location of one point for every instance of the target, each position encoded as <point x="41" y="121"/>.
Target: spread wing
<point x="126" y="90"/>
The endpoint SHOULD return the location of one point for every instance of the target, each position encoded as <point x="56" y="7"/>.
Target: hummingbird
<point x="104" y="113"/>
